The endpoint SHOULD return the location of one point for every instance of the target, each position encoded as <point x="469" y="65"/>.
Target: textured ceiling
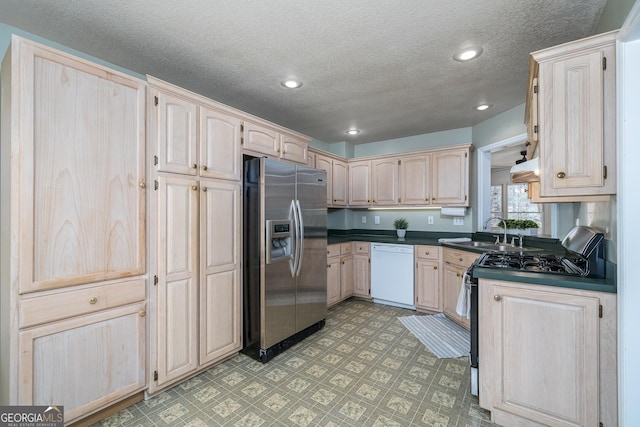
<point x="384" y="67"/>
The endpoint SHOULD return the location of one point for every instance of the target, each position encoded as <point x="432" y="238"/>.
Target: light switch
<point x="430" y="220"/>
<point x="376" y="219"/>
<point x="364" y="219"/>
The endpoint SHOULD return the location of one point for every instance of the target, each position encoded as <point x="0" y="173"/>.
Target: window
<point x="516" y="204"/>
<point x="496" y="201"/>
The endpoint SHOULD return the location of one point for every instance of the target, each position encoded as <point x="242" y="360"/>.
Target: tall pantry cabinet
<point x="72" y="193"/>
<point x="195" y="152"/>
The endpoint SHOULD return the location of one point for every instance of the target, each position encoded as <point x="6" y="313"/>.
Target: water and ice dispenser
<point x="279" y="240"/>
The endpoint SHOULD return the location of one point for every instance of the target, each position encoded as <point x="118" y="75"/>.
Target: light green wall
<point x="500" y="127"/>
<point x="417" y="142"/>
<point x="613" y="15"/>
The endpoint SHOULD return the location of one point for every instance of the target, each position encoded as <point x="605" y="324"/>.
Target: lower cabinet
<point x="85" y="362"/>
<point x="547" y="355"/>
<point x="340" y="280"/>
<point x="362" y="269"/>
<point x="428" y="283"/>
<point x="455" y="266"/>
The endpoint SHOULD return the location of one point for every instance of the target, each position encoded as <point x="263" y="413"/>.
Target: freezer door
<point x="279" y="288"/>
<point x="312" y="278"/>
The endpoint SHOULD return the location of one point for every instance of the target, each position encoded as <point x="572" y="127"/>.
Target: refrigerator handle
<point x="293" y="263"/>
<point x="300" y="246"/>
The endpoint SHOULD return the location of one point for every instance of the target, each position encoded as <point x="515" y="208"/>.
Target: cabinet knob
<point x="458" y="274"/>
<point x="142" y="313"/>
<point x="93" y="300"/>
<point x="561" y="174"/>
<point x="328" y="265"/>
<point x="426" y="252"/>
<point x="194" y="187"/>
<point x="204" y="168"/>
<point x="194" y="166"/>
<point x="435" y="267"/>
<point x="460" y="259"/>
<point x="497" y="297"/>
<point x="204" y="189"/>
<point x="142" y="184"/>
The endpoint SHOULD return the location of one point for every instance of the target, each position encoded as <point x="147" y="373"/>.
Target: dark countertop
<point x="431" y="238"/>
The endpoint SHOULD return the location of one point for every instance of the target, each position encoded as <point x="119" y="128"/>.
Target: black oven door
<point x="473" y="359"/>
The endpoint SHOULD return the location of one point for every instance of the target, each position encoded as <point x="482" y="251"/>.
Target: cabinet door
<point x="311" y="160"/>
<point x="220" y="224"/>
<point x="176" y="132"/>
<point x="80" y="158"/>
<point x="85" y="362"/>
<point x="359" y="183"/>
<point x="450" y="177"/>
<point x="384" y="181"/>
<point x="177" y="288"/>
<point x="326" y="164"/>
<point x="572" y="115"/>
<point x="452" y="281"/>
<point x="293" y="148"/>
<point x="220" y="152"/>
<point x="415" y="180"/>
<point x="346" y="277"/>
<point x="333" y="280"/>
<point x="531" y="378"/>
<point x="339" y="183"/>
<point x="362" y="276"/>
<point x="428" y="286"/>
<point x="261" y="139"/>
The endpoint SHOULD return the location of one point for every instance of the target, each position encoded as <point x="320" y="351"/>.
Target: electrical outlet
<point x="430" y="220"/>
<point x="364" y="219"/>
<point x="458" y="221"/>
<point x="376" y="219"/>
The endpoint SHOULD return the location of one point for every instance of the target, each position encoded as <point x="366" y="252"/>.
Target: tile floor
<point x="363" y="369"/>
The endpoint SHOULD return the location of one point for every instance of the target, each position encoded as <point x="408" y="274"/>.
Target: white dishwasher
<point x="392" y="275"/>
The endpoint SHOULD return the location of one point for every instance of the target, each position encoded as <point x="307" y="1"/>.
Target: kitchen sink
<point x="488" y="246"/>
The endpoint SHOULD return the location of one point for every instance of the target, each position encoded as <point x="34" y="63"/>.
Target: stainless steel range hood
<point x="528" y="171"/>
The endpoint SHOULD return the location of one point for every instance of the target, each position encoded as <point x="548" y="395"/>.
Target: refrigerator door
<point x="312" y="278"/>
<point x="278" y="299"/>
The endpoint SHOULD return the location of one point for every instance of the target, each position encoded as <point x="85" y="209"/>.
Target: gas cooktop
<point x="539" y="263"/>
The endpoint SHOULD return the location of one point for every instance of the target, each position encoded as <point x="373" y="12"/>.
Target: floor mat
<point x="442" y="336"/>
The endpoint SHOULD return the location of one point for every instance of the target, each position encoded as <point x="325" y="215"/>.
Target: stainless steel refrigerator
<point x="285" y="255"/>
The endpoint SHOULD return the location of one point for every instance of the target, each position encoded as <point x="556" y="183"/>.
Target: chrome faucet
<point x="503" y="223"/>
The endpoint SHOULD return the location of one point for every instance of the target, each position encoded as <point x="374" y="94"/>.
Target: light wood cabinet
<point x="273" y="142"/>
<point x="72" y="192"/>
<point x="360" y="183"/>
<point x="362" y="269"/>
<point x="339" y="183"/>
<point x="539" y="351"/>
<point x="455" y="266"/>
<point x="340" y="273"/>
<point x="428" y="283"/>
<point x="415" y="180"/>
<point x="346" y="277"/>
<point x="384" y="182"/>
<point x="450" y="177"/>
<point x="577" y="117"/>
<point x="333" y="280"/>
<point x="193" y="135"/>
<point x="311" y="161"/>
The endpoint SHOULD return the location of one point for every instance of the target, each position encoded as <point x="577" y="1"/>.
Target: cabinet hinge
<point x="600" y="311"/>
<point x="604" y="172"/>
<point x="604" y="63"/>
<point x="601" y="425"/>
<point x="399" y="162"/>
<point x="465" y="197"/>
<point x="241" y="127"/>
<point x="155" y="375"/>
<point x="535" y="89"/>
<point x="466" y="155"/>
<point x="535" y="129"/>
<point x="155" y="100"/>
<point x="155" y="280"/>
<point x="398" y="199"/>
<point x="155" y="160"/>
<point x="242" y="140"/>
<point x="155" y="184"/>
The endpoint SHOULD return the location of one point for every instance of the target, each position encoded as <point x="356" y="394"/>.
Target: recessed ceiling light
<point x="353" y="132"/>
<point x="483" y="107"/>
<point x="468" y="54"/>
<point x="291" y="84"/>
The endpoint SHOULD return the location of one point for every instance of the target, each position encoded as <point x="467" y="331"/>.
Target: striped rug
<point x="443" y="337"/>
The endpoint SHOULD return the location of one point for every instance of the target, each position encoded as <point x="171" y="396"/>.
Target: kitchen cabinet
<point x="72" y="192"/>
<point x="276" y="143"/>
<point x="455" y="266"/>
<point x="336" y="179"/>
<point x="428" y="283"/>
<point x="360" y="183"/>
<point x="340" y="275"/>
<point x="196" y="264"/>
<point x="547" y="355"/>
<point x="346" y="277"/>
<point x="362" y="269"/>
<point x="577" y="117"/>
<point x="194" y="136"/>
<point x="311" y="160"/>
<point x="450" y="177"/>
<point x="384" y="182"/>
<point x="415" y="180"/>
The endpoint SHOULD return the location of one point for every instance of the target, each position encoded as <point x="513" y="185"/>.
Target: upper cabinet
<point x="360" y="183"/>
<point x="450" y="177"/>
<point x="336" y="177"/>
<point x="384" y="181"/>
<point x="576" y="117"/>
<point x="273" y="142"/>
<point x="193" y="135"/>
<point x="415" y="179"/>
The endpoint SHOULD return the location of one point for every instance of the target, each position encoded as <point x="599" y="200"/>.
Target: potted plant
<point x="520" y="226"/>
<point x="401" y="226"/>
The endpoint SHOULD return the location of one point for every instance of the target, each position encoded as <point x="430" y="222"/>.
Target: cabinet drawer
<point x="427" y="252"/>
<point x="345" y="248"/>
<point x="361" y="247"/>
<point x="461" y="258"/>
<point x="43" y="309"/>
<point x="333" y="250"/>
